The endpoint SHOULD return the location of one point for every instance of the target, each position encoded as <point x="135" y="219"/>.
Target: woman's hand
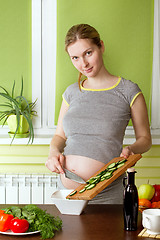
<point x="55" y="162"/>
<point x="126" y="152"/>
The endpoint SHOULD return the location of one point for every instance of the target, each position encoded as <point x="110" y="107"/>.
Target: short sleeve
<point x="66" y="96"/>
<point x="69" y="93"/>
<point x="132" y="91"/>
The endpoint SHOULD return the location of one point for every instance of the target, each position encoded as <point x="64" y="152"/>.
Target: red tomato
<point x="19" y="225"/>
<point x="5" y="220"/>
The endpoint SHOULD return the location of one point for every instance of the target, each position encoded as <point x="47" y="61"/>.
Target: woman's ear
<point x="102" y="46"/>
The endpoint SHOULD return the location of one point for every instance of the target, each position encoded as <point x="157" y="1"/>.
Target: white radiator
<point x="27" y="189"/>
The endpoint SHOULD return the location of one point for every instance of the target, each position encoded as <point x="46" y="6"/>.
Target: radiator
<point x="27" y="189"/>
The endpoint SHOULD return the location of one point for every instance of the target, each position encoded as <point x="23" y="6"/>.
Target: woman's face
<point x="86" y="57"/>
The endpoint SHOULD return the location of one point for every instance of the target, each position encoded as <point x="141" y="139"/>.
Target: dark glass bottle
<point x="130" y="201"/>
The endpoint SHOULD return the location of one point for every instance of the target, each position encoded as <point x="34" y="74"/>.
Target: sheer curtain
<point x="155" y="123"/>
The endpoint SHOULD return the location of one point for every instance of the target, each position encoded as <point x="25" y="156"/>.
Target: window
<point x="155" y="124"/>
<point x="44" y="22"/>
<point x="44" y="63"/>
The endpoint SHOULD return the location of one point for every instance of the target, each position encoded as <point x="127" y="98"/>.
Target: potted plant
<point x="18" y="113"/>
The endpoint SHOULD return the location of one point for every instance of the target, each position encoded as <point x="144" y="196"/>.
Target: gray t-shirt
<point x="96" y="120"/>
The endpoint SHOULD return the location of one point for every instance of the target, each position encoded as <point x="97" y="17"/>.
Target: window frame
<point x="155" y="114"/>
<point x="44" y="35"/>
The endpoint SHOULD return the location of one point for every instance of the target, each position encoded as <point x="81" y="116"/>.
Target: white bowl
<point x="151" y="220"/>
<point x="68" y="206"/>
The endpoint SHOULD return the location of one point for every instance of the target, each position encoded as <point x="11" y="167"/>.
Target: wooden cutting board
<point x="89" y="194"/>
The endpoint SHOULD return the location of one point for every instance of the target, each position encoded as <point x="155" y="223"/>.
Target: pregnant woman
<point x="94" y="115"/>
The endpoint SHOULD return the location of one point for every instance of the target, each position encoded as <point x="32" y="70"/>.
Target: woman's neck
<point x="101" y="81"/>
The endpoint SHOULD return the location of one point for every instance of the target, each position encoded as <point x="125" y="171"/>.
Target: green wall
<point x="15" y="45"/>
<point x="125" y="26"/>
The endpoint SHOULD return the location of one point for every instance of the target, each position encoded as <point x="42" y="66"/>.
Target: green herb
<point x="38" y="220"/>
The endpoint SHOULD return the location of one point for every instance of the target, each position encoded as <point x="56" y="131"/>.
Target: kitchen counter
<point x="97" y="222"/>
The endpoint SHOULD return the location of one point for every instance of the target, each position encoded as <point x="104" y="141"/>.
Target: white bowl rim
<point x="67" y="191"/>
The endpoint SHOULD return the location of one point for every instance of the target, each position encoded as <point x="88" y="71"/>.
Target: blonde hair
<point x="82" y="31"/>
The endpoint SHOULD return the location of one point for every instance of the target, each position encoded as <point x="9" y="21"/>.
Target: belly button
<point x="73" y="170"/>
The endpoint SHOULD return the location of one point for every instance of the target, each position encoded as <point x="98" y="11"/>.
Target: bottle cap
<point x="130" y="170"/>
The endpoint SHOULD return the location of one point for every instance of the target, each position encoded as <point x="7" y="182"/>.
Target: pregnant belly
<point x="82" y="166"/>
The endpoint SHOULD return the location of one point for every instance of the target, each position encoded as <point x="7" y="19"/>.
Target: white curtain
<point x="155" y="114"/>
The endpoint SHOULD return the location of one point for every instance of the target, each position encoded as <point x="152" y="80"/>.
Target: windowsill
<point x="38" y="140"/>
<point x="43" y="137"/>
<point x="45" y="140"/>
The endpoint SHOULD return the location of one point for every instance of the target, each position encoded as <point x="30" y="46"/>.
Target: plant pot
<point x="23" y="130"/>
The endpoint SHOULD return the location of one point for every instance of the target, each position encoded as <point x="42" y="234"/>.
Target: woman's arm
<point x="55" y="160"/>
<point x="141" y="126"/>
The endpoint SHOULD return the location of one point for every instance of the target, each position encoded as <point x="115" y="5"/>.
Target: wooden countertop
<point x="97" y="222"/>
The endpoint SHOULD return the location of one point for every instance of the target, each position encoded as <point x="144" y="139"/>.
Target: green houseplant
<point x="18" y="113"/>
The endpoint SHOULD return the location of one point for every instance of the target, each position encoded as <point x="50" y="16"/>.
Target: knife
<point x="73" y="176"/>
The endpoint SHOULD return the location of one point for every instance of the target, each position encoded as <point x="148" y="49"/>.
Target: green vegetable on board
<point x="103" y="175"/>
<point x="100" y="177"/>
<point x="72" y="193"/>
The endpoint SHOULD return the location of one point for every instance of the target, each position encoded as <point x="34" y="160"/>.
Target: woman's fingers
<point x="54" y="164"/>
<point x="126" y="152"/>
<point x="62" y="159"/>
<point x="58" y="167"/>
